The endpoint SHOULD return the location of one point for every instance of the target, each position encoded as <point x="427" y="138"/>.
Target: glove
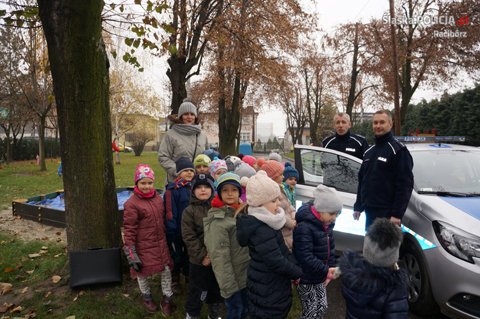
<point x="132" y="257"/>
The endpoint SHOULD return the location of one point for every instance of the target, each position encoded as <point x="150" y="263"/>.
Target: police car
<point x="441" y="248"/>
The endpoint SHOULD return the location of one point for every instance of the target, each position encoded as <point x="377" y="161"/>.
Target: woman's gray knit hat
<point x="187" y="107"/>
<point x="381" y="247"/>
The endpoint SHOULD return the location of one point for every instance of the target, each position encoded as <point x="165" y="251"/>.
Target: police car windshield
<point x="447" y="172"/>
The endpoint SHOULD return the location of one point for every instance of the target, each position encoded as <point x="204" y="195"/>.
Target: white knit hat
<point x="326" y="200"/>
<point x="260" y="189"/>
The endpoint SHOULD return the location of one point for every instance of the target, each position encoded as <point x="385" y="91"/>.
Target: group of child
<point x="231" y="227"/>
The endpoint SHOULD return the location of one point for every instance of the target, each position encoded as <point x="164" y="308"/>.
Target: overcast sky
<point x="332" y="13"/>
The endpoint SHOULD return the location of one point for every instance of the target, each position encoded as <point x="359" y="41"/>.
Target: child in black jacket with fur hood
<point x="374" y="286"/>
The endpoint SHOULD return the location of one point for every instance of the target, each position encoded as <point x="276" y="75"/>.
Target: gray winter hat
<point x="326" y="199"/>
<point x="381" y="247"/>
<point x="245" y="170"/>
<point x="187" y="107"/>
<point x="275" y="156"/>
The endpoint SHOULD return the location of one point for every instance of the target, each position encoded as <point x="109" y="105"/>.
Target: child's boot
<point x="149" y="303"/>
<point x="167" y="305"/>
<point x="176" y="288"/>
<point x="191" y="317"/>
<point x="215" y="311"/>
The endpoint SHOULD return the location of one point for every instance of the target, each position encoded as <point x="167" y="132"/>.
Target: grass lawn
<point x="289" y="154"/>
<point x="24" y="179"/>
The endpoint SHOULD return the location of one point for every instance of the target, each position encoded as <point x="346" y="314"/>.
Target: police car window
<point x="331" y="170"/>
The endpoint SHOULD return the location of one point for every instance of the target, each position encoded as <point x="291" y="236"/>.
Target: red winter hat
<point x="250" y="160"/>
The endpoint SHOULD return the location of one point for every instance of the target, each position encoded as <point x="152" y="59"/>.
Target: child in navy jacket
<point x="373" y="286"/>
<point x="314" y="248"/>
<point x="177" y="197"/>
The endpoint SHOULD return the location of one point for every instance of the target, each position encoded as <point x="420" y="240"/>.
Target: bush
<point x="28" y="149"/>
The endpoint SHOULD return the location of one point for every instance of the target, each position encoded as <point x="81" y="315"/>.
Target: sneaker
<point x="215" y="311"/>
<point x="150" y="305"/>
<point x="191" y="317"/>
<point x="167" y="305"/>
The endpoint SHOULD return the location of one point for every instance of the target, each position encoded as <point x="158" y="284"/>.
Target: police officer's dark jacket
<point x="349" y="143"/>
<point x="385" y="179"/>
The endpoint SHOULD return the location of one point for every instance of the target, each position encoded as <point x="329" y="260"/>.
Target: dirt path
<point x="28" y="230"/>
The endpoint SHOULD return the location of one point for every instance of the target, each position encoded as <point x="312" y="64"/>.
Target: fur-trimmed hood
<point x="361" y="277"/>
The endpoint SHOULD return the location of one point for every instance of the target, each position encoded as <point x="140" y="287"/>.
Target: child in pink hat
<point x="145" y="241"/>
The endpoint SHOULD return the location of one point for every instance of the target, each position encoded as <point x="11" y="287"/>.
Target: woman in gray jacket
<point x="184" y="138"/>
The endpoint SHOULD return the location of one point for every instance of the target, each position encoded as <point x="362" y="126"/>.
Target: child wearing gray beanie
<point x="314" y="248"/>
<point x="374" y="286"/>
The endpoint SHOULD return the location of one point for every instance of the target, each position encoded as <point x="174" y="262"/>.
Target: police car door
<point x="317" y="165"/>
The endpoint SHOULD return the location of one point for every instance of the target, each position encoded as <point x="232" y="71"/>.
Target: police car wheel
<point x="420" y="296"/>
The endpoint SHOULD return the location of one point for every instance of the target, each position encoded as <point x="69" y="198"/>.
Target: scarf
<point x="217" y="202"/>
<point x="180" y="182"/>
<point x="187" y="129"/>
<point x="143" y="195"/>
<point x="275" y="221"/>
<point x="291" y="194"/>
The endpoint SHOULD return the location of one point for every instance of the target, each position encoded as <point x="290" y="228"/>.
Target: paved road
<point x="336" y="303"/>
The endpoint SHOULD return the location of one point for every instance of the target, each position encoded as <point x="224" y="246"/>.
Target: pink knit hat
<point x="273" y="169"/>
<point x="142" y="171"/>
<point x="250" y="160"/>
<point x="217" y="164"/>
<point x="260" y="189"/>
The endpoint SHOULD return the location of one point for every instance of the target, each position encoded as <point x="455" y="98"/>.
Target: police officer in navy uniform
<point x="385" y="179"/>
<point x="344" y="140"/>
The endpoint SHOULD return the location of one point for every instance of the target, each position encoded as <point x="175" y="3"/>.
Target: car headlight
<point x="457" y="242"/>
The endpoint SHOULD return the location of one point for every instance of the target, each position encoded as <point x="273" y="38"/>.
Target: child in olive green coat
<point x="229" y="260"/>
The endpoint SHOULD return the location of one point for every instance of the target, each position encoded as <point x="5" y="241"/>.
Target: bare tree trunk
<point x="353" y="77"/>
<point x="79" y="68"/>
<point x="41" y="143"/>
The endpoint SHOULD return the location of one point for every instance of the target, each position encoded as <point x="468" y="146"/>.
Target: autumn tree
<point x="314" y="71"/>
<point x="352" y="65"/>
<point x="79" y="69"/>
<point x="254" y="39"/>
<point x="15" y="115"/>
<point x="292" y="99"/>
<point x="427" y="55"/>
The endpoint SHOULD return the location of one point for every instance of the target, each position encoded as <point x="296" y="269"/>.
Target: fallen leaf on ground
<point x="70" y="317"/>
<point x="3" y="242"/>
<point x="8" y="269"/>
<point x="78" y="295"/>
<point x="126" y="295"/>
<point x="48" y="294"/>
<point x="49" y="311"/>
<point x="47" y="303"/>
<point x="58" y="233"/>
<point x="30" y="271"/>
<point x="43" y="251"/>
<point x="5" y="287"/>
<point x="5" y="307"/>
<point x="58" y="255"/>
<point x="44" y="248"/>
<point x="24" y="290"/>
<point x="30" y="315"/>
<point x="17" y="309"/>
<point x="56" y="279"/>
<point x="34" y="255"/>
<point x="19" y="265"/>
<point x="59" y="240"/>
